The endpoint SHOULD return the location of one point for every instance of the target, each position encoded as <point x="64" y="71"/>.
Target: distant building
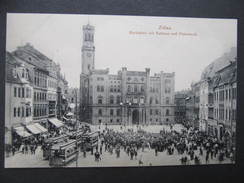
<point x="129" y="97"/>
<point x="180" y="107"/>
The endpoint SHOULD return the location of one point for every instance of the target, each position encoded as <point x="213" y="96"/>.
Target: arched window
<point x="167" y="112"/>
<point x="156" y="101"/>
<point x="167" y="100"/>
<point x="100" y="100"/>
<point x="118" y="99"/>
<point x="111" y="99"/>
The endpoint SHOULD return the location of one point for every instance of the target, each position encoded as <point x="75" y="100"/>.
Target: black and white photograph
<point x="85" y="90"/>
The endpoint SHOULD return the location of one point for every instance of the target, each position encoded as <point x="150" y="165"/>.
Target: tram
<point x="48" y="143"/>
<point x="89" y="140"/>
<point x="77" y="136"/>
<point x="62" y="154"/>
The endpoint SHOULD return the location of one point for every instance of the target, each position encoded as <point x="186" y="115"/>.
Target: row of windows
<point x="154" y="90"/>
<point x="40" y="96"/>
<point x="100" y="79"/>
<point x="22" y="111"/>
<point x="227" y="94"/>
<point x="100" y="88"/>
<point x="224" y="114"/>
<point x="40" y="79"/>
<point x="40" y="110"/>
<point x="135" y="88"/>
<point x="135" y="79"/>
<point x="167" y="90"/>
<point x="22" y="92"/>
<point x="52" y="84"/>
<point x="115" y="88"/>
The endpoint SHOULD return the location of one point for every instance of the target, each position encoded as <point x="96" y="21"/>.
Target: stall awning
<point x="55" y="122"/>
<point x="40" y="127"/>
<point x="22" y="132"/>
<point x="33" y="129"/>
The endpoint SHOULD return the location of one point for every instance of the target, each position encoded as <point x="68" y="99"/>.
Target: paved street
<point x="148" y="156"/>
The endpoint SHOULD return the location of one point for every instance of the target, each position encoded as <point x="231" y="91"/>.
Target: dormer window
<point x="14" y="73"/>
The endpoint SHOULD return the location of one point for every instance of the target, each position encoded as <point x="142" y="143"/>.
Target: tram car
<point x="77" y="136"/>
<point x="89" y="140"/>
<point x="48" y="143"/>
<point x="62" y="154"/>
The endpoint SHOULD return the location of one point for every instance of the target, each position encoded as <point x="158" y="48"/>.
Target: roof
<point x="100" y="71"/>
<point x="11" y="63"/>
<point x="219" y="64"/>
<point x="226" y="75"/>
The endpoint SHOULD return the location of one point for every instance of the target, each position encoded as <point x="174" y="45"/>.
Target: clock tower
<point x="88" y="49"/>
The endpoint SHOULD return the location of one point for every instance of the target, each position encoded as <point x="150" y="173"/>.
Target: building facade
<point x="18" y="96"/>
<point x="31" y="92"/>
<point x="128" y="97"/>
<point x="225" y="97"/>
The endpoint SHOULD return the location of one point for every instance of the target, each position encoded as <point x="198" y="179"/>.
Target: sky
<point x="169" y="44"/>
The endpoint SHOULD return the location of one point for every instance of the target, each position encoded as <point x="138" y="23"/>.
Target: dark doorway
<point x="135" y="117"/>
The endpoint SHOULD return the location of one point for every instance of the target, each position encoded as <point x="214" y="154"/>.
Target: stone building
<point x="37" y="77"/>
<point x="18" y="98"/>
<point x="180" y="107"/>
<point x="225" y="97"/>
<point x="128" y="97"/>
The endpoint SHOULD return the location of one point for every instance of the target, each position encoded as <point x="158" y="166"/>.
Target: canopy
<point x="22" y="132"/>
<point x="55" y="122"/>
<point x="40" y="127"/>
<point x="33" y="129"/>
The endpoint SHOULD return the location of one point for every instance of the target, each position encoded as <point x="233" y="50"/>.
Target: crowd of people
<point x="192" y="146"/>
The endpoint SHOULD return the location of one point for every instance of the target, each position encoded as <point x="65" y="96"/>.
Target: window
<point x="167" y="112"/>
<point x="15" y="92"/>
<point x="18" y="111"/>
<point x="100" y="100"/>
<point x="111" y="88"/>
<point x="156" y="101"/>
<point x="151" y="112"/>
<point x="142" y="88"/>
<point x="151" y="99"/>
<point x="102" y="88"/>
<point x="100" y="113"/>
<point x="167" y="100"/>
<point x="118" y="112"/>
<point x="118" y="99"/>
<point x="111" y="112"/>
<point x="19" y="90"/>
<point x="135" y="88"/>
<point x="117" y="120"/>
<point x="111" y="99"/>
<point x="156" y="111"/>
<point x="23" y="112"/>
<point x="129" y="88"/>
<point x="15" y="112"/>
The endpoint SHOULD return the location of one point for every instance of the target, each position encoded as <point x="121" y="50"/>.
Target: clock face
<point x="89" y="54"/>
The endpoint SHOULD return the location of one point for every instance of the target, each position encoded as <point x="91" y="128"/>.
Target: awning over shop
<point x="22" y="132"/>
<point x="40" y="127"/>
<point x="33" y="129"/>
<point x="55" y="122"/>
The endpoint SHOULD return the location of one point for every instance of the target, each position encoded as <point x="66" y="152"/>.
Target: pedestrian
<point x="13" y="150"/>
<point x="84" y="153"/>
<point x="156" y="151"/>
<point x="101" y="149"/>
<point x="207" y="158"/>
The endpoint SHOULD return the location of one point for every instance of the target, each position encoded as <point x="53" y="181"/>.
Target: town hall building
<point x="128" y="97"/>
